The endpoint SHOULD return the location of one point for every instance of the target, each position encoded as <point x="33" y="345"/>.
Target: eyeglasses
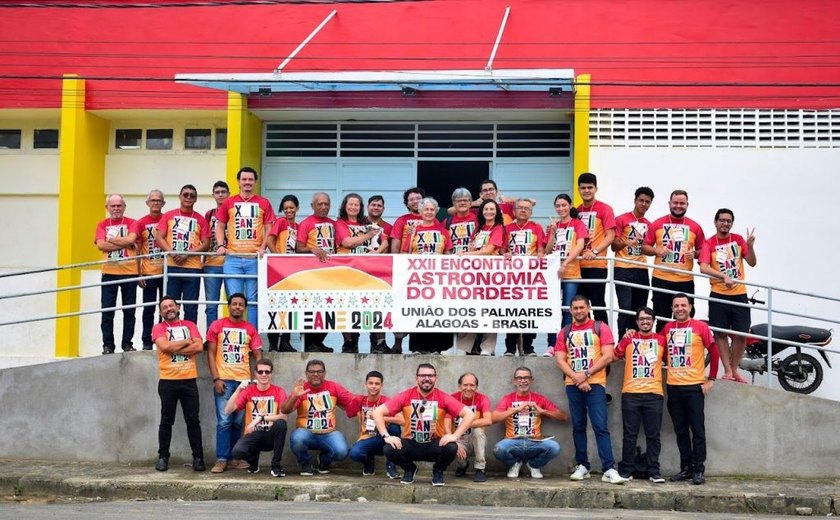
<point x="526" y="208"/>
<point x="426" y="376"/>
<point x="315" y="372"/>
<point x="725" y="221"/>
<point x="263" y="372"/>
<point x="155" y="201"/>
<point x="189" y="195"/>
<point x="523" y="378"/>
<point x="487" y="190"/>
<point x="463" y="200"/>
<point x="644" y="318"/>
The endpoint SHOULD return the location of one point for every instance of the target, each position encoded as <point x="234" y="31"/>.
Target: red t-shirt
<point x="146" y="245"/>
<point x="403" y="228"/>
<point x="121" y="261"/>
<point x="383" y="235"/>
<point x="286" y="233"/>
<point x="317" y="232"/>
<point x="461" y="230"/>
<point x="234" y="343"/>
<point x="347" y="229"/>
<point x="429" y="240"/>
<point x="359" y="407"/>
<point x="423" y="415"/>
<point x="598" y="219"/>
<point x="522" y="424"/>
<point x="494" y="234"/>
<point x="726" y="256"/>
<point x="213" y="260"/>
<point x="261" y="402"/>
<point x="566" y="236"/>
<point x="585" y="349"/>
<point x="644" y="356"/>
<point x="525" y="240"/>
<point x="628" y="227"/>
<point x="678" y="236"/>
<point x="316" y="406"/>
<point x="184" y="232"/>
<point x="176" y="366"/>
<point x="480" y="404"/>
<point x="687" y="344"/>
<point x="247" y="222"/>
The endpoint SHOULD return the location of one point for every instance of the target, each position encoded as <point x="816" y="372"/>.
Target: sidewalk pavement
<point x="32" y="478"/>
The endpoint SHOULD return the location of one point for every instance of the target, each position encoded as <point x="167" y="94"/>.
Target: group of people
<point x="424" y="423"/>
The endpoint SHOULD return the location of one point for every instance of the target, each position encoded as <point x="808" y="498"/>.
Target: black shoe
<point x="391" y="470"/>
<point x="278" y="472"/>
<point x="480" y="476"/>
<point x="656" y="478"/>
<point x="408" y="476"/>
<point x="306" y="470"/>
<point x="380" y="348"/>
<point x="698" y="478"/>
<point x="198" y="464"/>
<point x="128" y="348"/>
<point x="107" y="350"/>
<point x="682" y="476"/>
<point x="147" y="346"/>
<point x="254" y="469"/>
<point x="317" y="347"/>
<point x="162" y="464"/>
<point x="285" y="346"/>
<point x="461" y="471"/>
<point x="437" y="477"/>
<point x="349" y="348"/>
<point x="323" y="469"/>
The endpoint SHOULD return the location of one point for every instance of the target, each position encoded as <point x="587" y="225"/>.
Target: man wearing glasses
<point x="231" y="342"/>
<point x="424" y="436"/>
<point x="316" y="400"/>
<point x="182" y="231"/>
<point x="522" y="412"/>
<point x="266" y="429"/>
<point x="152" y="265"/>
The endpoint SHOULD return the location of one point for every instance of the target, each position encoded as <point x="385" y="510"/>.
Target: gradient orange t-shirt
<point x="214" y="259"/>
<point x="234" y="343"/>
<point x="429" y="240"/>
<point x="403" y="228"/>
<point x="494" y="234"/>
<point x="146" y="245"/>
<point x="643" y="355"/>
<point x="525" y="240"/>
<point x="461" y="230"/>
<point x="316" y="406"/>
<point x="687" y="343"/>
<point x="521" y="424"/>
<point x="566" y="236"/>
<point x="584" y="349"/>
<point x="677" y="236"/>
<point x="598" y="219"/>
<point x="726" y="256"/>
<point x="347" y="229"/>
<point x="628" y="227"/>
<point x="423" y="415"/>
<point x="359" y="408"/>
<point x="246" y="221"/>
<point x="184" y="232"/>
<point x="176" y="366"/>
<point x="122" y="261"/>
<point x="258" y="402"/>
<point x="286" y="233"/>
<point x="317" y="232"/>
<point x="479" y="404"/>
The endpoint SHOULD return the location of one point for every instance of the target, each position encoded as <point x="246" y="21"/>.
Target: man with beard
<point x="178" y="342"/>
<point x="424" y="437"/>
<point x="404" y="225"/>
<point x="674" y="241"/>
<point x="630" y="231"/>
<point x="599" y="220"/>
<point x="231" y="343"/>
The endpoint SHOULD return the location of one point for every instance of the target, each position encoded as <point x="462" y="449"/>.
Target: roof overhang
<point x="551" y="81"/>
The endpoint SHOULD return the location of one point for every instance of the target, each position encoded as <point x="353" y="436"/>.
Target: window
<point x="128" y="139"/>
<point x="159" y="139"/>
<point x="197" y="139"/>
<point x="10" y="139"/>
<point x="221" y="138"/>
<point x="46" y="139"/>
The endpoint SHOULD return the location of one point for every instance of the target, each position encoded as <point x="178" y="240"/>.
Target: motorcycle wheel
<point x="801" y="377"/>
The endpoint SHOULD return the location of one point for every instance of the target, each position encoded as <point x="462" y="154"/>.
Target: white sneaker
<point x="535" y="472"/>
<point x="485" y="353"/>
<point x="612" y="476"/>
<point x="513" y="472"/>
<point x="579" y="473"/>
<point x="549" y="352"/>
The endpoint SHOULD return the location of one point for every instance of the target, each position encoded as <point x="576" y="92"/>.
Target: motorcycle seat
<point x="796" y="333"/>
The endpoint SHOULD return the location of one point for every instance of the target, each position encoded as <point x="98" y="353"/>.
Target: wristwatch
<point x="586" y="373"/>
<point x="596" y="252"/>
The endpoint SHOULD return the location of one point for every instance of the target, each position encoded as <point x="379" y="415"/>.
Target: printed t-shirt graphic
<point x="213" y="260"/>
<point x="346" y="229"/>
<point x="234" y="343"/>
<point x="383" y="235"/>
<point x="121" y="261"/>
<point x="584" y="349"/>
<point x="184" y="231"/>
<point x="687" y="353"/>
<point x="566" y="236"/>
<point x="678" y="236"/>
<point x="146" y="232"/>
<point x="726" y="256"/>
<point x="461" y="229"/>
<point x="479" y="404"/>
<point x="527" y="423"/>
<point x="429" y="240"/>
<point x="286" y="234"/>
<point x="176" y="366"/>
<point x="360" y="407"/>
<point x="247" y="222"/>
<point x="525" y="240"/>
<point x="317" y="232"/>
<point x="403" y="228"/>
<point x="316" y="406"/>
<point x="258" y="402"/>
<point x="629" y="228"/>
<point x="494" y="234"/>
<point x="643" y="357"/>
<point x="598" y="219"/>
<point x="423" y="415"/>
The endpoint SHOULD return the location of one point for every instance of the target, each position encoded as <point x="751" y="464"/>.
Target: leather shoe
<point x="698" y="478"/>
<point x="285" y="346"/>
<point x="682" y="476"/>
<point x="198" y="464"/>
<point x="162" y="464"/>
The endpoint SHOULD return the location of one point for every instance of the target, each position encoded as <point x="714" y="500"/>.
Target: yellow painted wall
<point x="581" y="139"/>
<point x="244" y="139"/>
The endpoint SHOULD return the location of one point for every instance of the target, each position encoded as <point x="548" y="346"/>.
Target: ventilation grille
<point x="421" y="140"/>
<point x="715" y="128"/>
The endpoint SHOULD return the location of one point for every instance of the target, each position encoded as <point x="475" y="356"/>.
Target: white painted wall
<point x="789" y="195"/>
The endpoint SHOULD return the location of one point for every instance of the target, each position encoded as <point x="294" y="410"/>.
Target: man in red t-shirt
<point x="723" y="258"/>
<point x="424" y="436"/>
<point x="370" y="443"/>
<point x="687" y="341"/>
<point x="404" y="225"/>
<point x="116" y="237"/>
<point x="266" y="429"/>
<point x="152" y="264"/>
<point x="474" y="440"/>
<point x="375" y="209"/>
<point x="522" y="412"/>
<point x="214" y="264"/>
<point x="599" y="219"/>
<point x="630" y="231"/>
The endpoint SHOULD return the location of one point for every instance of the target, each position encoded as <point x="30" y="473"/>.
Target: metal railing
<point x="770" y="308"/>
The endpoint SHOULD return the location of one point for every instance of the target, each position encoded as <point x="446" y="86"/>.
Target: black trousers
<point x="595" y="291"/>
<point x="662" y="301"/>
<point x="630" y="298"/>
<point x="171" y="392"/>
<point x="636" y="410"/>
<point x="248" y="448"/>
<point x="686" y="405"/>
<point x="441" y="456"/>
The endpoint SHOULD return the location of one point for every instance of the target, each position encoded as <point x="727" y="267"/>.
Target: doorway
<point x="440" y="178"/>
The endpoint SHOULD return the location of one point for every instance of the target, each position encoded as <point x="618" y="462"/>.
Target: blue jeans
<point x="109" y="299"/>
<point x="152" y="293"/>
<point x="184" y="289"/>
<point x="569" y="290"/>
<point x="228" y="427"/>
<point x="212" y="292"/>
<point x="247" y="286"/>
<point x="366" y="449"/>
<point x="593" y="402"/>
<point x="332" y="446"/>
<point x="536" y="453"/>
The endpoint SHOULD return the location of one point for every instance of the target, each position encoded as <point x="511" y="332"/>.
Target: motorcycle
<point x="799" y="372"/>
